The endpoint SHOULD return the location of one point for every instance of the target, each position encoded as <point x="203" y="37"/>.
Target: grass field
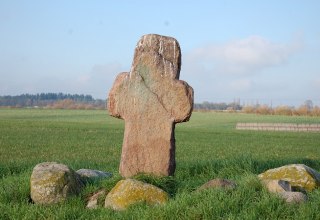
<point x="207" y="147"/>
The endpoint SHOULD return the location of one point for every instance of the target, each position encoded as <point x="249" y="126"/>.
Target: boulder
<point x="92" y="175"/>
<point x="93" y="201"/>
<point x="284" y="190"/>
<point x="277" y="186"/>
<point x="293" y="197"/>
<point x="128" y="192"/>
<point x="218" y="183"/>
<point x="52" y="182"/>
<point x="298" y="175"/>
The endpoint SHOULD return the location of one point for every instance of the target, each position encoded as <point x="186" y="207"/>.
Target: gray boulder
<point x="284" y="190"/>
<point x="293" y="197"/>
<point x="92" y="175"/>
<point x="52" y="182"/>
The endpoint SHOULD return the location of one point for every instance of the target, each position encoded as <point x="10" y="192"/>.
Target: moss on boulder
<point x="128" y="192"/>
<point x="52" y="182"/>
<point x="298" y="175"/>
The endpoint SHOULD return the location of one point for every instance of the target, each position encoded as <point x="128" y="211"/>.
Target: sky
<point x="265" y="52"/>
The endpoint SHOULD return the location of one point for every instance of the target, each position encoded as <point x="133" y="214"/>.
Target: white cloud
<point x="243" y="56"/>
<point x="236" y="68"/>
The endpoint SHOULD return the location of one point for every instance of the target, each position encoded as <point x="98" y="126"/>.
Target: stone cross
<point x="151" y="99"/>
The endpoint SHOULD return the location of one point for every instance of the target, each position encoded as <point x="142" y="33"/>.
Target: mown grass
<point x="207" y="147"/>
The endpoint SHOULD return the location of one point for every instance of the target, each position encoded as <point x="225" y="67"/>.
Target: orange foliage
<point x="315" y="111"/>
<point x="283" y="110"/>
<point x="302" y="110"/>
<point x="248" y="109"/>
<point x="264" y="110"/>
<point x="70" y="104"/>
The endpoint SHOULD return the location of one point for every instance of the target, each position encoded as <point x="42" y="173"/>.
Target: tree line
<point x="76" y="101"/>
<point x="47" y="99"/>
<point x="306" y="109"/>
<point x="207" y="106"/>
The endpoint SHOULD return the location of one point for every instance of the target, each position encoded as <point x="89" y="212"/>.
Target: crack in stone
<point x="156" y="95"/>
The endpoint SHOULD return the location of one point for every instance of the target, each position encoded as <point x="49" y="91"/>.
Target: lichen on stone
<point x="51" y="182"/>
<point x="128" y="192"/>
<point x="298" y="175"/>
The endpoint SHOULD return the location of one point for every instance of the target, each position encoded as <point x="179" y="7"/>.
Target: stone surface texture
<point x="93" y="201"/>
<point x="52" y="182"/>
<point x="218" y="183"/>
<point x="88" y="174"/>
<point x="128" y="192"/>
<point x="151" y="99"/>
<point x="284" y="190"/>
<point x="298" y="175"/>
<point x="294" y="197"/>
<point x="277" y="186"/>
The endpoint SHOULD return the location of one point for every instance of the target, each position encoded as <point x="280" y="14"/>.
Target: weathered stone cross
<point x="151" y="99"/>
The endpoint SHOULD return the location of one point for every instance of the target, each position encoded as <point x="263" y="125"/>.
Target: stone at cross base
<point x="151" y="99"/>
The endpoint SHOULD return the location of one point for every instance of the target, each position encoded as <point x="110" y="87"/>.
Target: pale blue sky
<point x="249" y="50"/>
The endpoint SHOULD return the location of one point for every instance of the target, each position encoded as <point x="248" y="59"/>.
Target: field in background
<point x="207" y="147"/>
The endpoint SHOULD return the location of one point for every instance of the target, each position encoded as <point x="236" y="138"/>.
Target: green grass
<point x="207" y="147"/>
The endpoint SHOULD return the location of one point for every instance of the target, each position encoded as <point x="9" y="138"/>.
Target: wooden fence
<point x="279" y="127"/>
